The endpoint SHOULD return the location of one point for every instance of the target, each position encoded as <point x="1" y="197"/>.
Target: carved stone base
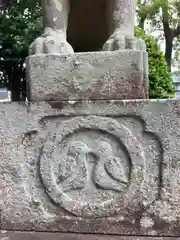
<point x="104" y="167"/>
<point x="95" y="75"/>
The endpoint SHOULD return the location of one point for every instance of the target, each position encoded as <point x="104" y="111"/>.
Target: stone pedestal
<point x="82" y="76"/>
<point x="73" y="166"/>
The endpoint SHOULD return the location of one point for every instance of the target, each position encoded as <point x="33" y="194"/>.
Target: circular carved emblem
<point x="86" y="165"/>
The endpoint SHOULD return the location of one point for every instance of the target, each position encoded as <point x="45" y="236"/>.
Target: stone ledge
<point x="67" y="236"/>
<point x="144" y="141"/>
<point x="83" y="76"/>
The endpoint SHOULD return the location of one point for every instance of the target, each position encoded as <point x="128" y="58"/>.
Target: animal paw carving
<point x="50" y="42"/>
<point x="119" y="40"/>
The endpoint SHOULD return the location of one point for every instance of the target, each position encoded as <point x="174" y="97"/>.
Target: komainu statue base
<point x="119" y="74"/>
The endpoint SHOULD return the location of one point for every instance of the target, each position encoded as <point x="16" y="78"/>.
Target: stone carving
<point x="88" y="163"/>
<point x="119" y="16"/>
<point x="72" y="172"/>
<point x="76" y="171"/>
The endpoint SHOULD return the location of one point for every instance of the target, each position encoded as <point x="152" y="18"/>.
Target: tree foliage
<point x="160" y="80"/>
<point x="165" y="17"/>
<point x="20" y="24"/>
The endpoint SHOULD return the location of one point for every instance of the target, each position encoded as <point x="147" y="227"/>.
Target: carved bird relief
<point x="75" y="170"/>
<point x="72" y="172"/>
<point x="108" y="173"/>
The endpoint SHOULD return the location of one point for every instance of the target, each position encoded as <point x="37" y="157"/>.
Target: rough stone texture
<point x="65" y="236"/>
<point x="98" y="75"/>
<point x="13" y="124"/>
<point x="124" y="160"/>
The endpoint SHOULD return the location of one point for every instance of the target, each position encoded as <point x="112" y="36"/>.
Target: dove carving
<point x="106" y="173"/>
<point x="109" y="173"/>
<point x="72" y="171"/>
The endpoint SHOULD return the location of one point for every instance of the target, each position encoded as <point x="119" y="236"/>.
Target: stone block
<point x="101" y="167"/>
<point x="94" y="75"/>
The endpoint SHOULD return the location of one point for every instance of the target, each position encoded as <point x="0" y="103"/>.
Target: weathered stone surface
<point x="13" y="125"/>
<point x="65" y="236"/>
<point x="98" y="75"/>
<point x="107" y="167"/>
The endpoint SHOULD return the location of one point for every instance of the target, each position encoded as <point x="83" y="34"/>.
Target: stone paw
<point x="119" y="40"/>
<point x="50" y="43"/>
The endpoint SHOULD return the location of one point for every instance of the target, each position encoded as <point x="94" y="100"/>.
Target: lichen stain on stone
<point x="57" y="105"/>
<point x="29" y="138"/>
<point x="146" y="222"/>
<point x="58" y="5"/>
<point x="163" y="226"/>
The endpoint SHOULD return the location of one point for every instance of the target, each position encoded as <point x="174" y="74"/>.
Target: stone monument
<point x="81" y="159"/>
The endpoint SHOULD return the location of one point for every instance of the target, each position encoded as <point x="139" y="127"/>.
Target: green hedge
<point x="160" y="80"/>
